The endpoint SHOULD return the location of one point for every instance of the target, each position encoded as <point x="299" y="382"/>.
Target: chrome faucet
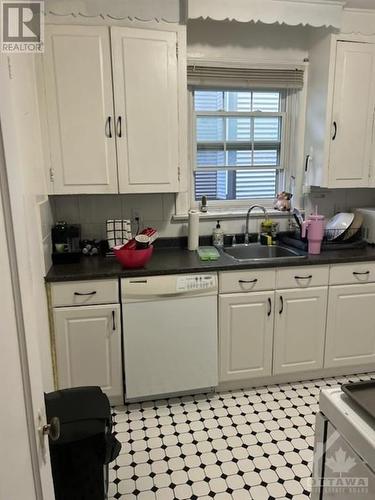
<point x="247" y="220"/>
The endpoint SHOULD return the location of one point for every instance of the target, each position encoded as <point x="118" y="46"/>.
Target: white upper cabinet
<point x="352" y="115"/>
<point x="340" y="113"/>
<point x="146" y="100"/>
<point x="80" y="110"/>
<point x="116" y="120"/>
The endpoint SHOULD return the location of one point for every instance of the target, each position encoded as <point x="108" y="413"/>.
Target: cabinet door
<point x="352" y="115"/>
<point x="300" y="323"/>
<point x="245" y="335"/>
<point x="80" y="109"/>
<point x="88" y="348"/>
<point x="146" y="102"/>
<point x="350" y="338"/>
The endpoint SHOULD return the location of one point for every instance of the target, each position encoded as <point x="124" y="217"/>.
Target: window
<point x="237" y="143"/>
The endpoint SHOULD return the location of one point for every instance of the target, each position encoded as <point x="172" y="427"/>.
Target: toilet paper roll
<point x="193" y="232"/>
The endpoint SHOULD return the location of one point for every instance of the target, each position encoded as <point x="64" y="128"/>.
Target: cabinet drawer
<point x="301" y="277"/>
<point x="347" y="274"/>
<point x="254" y="280"/>
<point x="79" y="293"/>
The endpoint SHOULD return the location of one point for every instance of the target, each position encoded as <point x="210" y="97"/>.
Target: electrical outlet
<point x="135" y="213"/>
<point x="136" y="219"/>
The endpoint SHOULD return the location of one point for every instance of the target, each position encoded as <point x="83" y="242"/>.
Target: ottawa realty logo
<point x="341" y="482"/>
<point x="22" y="26"/>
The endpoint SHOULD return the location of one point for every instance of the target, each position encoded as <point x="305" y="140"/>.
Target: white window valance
<point x="242" y="77"/>
<point x="316" y="13"/>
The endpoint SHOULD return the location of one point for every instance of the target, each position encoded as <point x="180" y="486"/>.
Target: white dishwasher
<point x="170" y="334"/>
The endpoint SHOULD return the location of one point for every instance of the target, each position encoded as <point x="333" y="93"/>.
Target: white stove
<point x="344" y="455"/>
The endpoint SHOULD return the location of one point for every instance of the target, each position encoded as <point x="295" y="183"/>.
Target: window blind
<point x="237" y="143"/>
<point x="238" y="77"/>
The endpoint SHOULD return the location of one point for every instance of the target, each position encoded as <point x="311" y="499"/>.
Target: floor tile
<point x="243" y="445"/>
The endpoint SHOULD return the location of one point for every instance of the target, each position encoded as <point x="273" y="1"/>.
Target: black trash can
<point x="86" y="445"/>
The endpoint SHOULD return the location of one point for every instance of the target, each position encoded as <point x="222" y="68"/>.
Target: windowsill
<point x="232" y="214"/>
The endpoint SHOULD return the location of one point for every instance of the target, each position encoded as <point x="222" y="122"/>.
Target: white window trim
<point x="291" y="156"/>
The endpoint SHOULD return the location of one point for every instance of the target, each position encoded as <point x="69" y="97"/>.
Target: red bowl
<point x="133" y="258"/>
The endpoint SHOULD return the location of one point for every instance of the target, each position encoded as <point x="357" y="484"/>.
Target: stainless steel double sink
<point x="254" y="252"/>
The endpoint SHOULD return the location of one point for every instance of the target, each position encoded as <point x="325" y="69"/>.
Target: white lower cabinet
<point x="245" y="335"/>
<point x="350" y="337"/>
<point x="88" y="348"/>
<point x="300" y="320"/>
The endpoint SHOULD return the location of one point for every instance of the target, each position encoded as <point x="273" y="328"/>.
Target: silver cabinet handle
<point x="119" y="127"/>
<point x="108" y="127"/>
<point x="281" y="304"/>
<point x="334" y="131"/>
<point x="307" y="162"/>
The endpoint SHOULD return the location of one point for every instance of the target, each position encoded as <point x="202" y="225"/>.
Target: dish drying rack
<point x="334" y="239"/>
<point x="338" y="236"/>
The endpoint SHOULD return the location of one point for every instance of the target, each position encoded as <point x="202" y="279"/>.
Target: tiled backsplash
<point x="91" y="211"/>
<point x="331" y="201"/>
<point x="156" y="210"/>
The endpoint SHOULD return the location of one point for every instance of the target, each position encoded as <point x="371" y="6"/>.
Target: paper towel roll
<point x="193" y="232"/>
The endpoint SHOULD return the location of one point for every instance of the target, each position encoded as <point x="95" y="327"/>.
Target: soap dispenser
<point x="218" y="236"/>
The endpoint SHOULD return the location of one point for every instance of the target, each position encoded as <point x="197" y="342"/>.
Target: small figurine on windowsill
<point x="282" y="202"/>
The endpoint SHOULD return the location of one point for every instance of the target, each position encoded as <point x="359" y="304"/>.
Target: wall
<point x="25" y="163"/>
<point x="20" y="124"/>
<point x="251" y="42"/>
<point x="358" y="21"/>
<point x="331" y="201"/>
<point x="15" y="461"/>
<point x="91" y="211"/>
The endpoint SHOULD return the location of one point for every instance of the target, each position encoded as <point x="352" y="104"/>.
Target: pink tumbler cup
<point x="314" y="226"/>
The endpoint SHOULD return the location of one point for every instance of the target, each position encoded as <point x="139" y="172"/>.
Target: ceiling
<point x="360" y="4"/>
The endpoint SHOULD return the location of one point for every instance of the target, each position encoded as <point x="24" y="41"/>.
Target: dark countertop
<point x="178" y="261"/>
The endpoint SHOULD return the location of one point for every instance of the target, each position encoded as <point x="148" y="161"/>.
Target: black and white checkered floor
<point x="249" y="444"/>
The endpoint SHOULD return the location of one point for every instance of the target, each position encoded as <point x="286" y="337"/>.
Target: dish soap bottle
<point x="218" y="236"/>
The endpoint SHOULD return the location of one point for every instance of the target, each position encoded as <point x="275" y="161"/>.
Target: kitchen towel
<point x="193" y="232"/>
<point x="118" y="232"/>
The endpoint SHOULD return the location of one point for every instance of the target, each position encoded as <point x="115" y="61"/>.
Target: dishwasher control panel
<point x="150" y="287"/>
<point x="195" y="282"/>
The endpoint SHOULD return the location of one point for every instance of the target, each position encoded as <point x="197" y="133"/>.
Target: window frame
<point x="281" y="170"/>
